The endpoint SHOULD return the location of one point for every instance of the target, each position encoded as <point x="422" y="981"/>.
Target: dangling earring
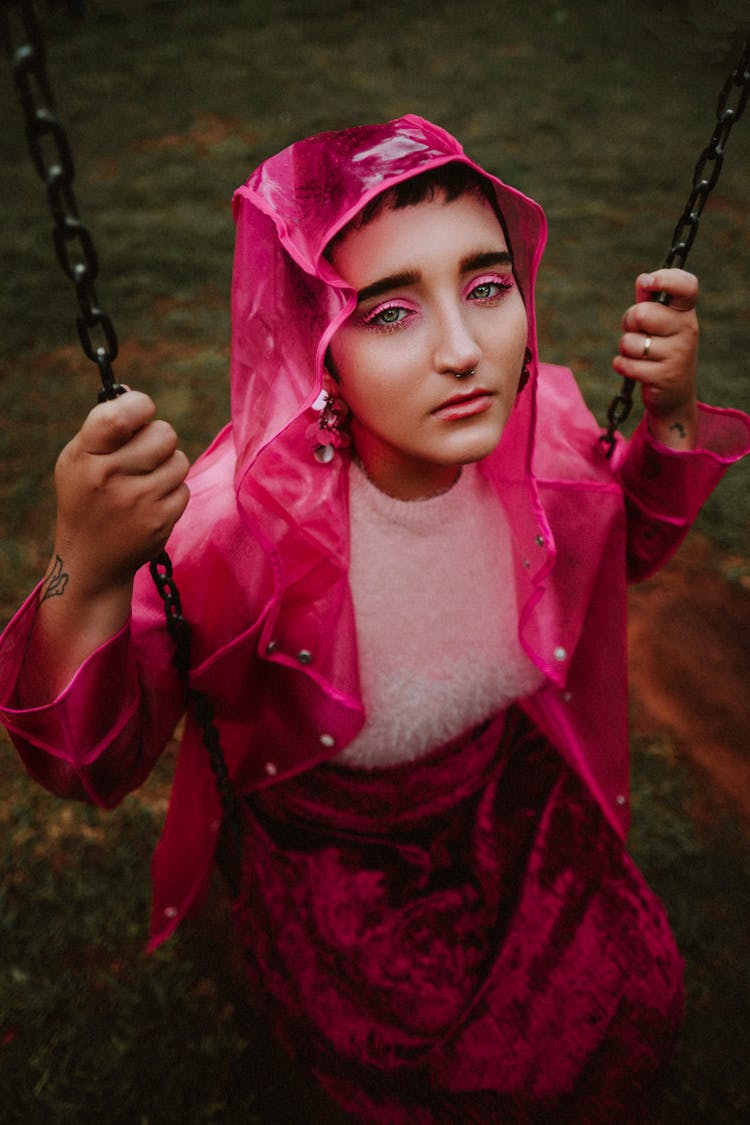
<point x="525" y="373"/>
<point x="329" y="432"/>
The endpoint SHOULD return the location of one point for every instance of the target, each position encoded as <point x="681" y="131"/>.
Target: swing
<point x="57" y="174"/>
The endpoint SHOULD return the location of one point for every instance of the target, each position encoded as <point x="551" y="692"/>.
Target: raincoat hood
<point x="287" y="302"/>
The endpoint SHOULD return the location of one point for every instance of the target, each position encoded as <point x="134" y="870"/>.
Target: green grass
<point x="91" y="1028"/>
<point x="597" y="110"/>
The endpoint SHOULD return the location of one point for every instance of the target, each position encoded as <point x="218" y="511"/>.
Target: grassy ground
<point x="599" y="111"/>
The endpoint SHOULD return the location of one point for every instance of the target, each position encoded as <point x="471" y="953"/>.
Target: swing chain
<point x="179" y="630"/>
<point x="74" y="245"/>
<point x="705" y="177"/>
<point x="41" y="120"/>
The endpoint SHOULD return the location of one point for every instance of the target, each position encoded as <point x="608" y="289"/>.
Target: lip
<point x="464" y="406"/>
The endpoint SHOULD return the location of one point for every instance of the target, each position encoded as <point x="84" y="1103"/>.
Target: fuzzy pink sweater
<point x="437" y="619"/>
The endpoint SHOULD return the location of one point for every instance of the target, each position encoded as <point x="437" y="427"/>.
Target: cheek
<point x="516" y="342"/>
<point x="521" y="323"/>
<point x="350" y="367"/>
<point x="346" y="356"/>
<point x="343" y="366"/>
<point x="364" y="370"/>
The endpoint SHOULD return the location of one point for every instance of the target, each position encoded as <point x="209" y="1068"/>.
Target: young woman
<point x="407" y="598"/>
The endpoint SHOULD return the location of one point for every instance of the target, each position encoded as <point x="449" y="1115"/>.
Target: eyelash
<point x="503" y="284"/>
<point x="370" y="319"/>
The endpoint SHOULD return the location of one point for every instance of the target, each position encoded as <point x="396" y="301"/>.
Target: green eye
<point x="388" y="317"/>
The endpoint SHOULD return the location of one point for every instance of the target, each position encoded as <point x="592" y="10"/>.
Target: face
<point x="437" y="300"/>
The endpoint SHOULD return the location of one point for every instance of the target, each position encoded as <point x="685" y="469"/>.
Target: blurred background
<point x="599" y="111"/>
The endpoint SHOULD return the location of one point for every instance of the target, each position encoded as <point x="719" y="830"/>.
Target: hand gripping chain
<point x="705" y="177"/>
<point x="77" y="257"/>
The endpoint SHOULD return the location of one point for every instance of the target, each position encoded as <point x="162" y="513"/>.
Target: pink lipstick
<point x="464" y="406"/>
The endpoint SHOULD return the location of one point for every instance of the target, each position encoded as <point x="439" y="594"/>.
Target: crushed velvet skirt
<point x="460" y="939"/>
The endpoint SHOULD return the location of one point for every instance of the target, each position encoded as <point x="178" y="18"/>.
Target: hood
<point x="286" y="299"/>
<point x="287" y="302"/>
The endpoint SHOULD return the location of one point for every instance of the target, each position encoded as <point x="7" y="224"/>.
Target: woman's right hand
<point x="120" y="490"/>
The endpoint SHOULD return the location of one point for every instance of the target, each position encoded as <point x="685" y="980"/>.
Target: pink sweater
<point x="437" y="618"/>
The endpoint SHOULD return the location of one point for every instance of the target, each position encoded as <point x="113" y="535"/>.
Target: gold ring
<point x="646" y="348"/>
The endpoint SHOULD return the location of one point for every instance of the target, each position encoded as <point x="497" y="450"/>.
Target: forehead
<point x="434" y="234"/>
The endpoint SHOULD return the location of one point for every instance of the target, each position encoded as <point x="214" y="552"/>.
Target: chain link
<point x="51" y="156"/>
<point x="731" y="104"/>
<point x="78" y="259"/>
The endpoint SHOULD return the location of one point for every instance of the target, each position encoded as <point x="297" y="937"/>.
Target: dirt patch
<point x="207" y="132"/>
<point x="689" y="667"/>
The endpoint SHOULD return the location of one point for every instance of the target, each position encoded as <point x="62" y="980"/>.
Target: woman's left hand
<point x="659" y="349"/>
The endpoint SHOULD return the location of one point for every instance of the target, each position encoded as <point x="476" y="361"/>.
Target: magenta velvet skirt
<point x="460" y="939"/>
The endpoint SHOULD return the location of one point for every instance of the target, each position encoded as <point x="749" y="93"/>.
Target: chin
<point x="478" y="445"/>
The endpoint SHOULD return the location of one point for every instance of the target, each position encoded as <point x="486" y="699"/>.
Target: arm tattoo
<point x="679" y="428"/>
<point x="54" y="586"/>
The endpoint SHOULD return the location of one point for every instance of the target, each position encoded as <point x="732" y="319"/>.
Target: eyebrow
<point x="481" y="259"/>
<point x="385" y="284"/>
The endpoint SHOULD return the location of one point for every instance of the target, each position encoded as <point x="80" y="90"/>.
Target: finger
<point x="650" y="318"/>
<point x="680" y="286"/>
<point x="169" y="478"/>
<point x="641" y="346"/>
<point x="110" y="425"/>
<point x="149" y="448"/>
<point x="168" y="506"/>
<point x="640" y="370"/>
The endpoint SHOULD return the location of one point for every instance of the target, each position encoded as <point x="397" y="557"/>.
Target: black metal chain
<point x="72" y="239"/>
<point x="43" y="127"/>
<point x="705" y="177"/>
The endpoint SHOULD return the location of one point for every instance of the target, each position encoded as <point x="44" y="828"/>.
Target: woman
<point x="408" y="608"/>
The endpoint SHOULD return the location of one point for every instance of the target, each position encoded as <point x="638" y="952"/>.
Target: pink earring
<point x="329" y="432"/>
<point x="525" y="373"/>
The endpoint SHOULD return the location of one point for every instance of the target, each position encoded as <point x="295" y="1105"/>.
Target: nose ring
<point x="465" y="374"/>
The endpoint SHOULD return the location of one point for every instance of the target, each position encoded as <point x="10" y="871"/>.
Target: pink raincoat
<point x="261" y="553"/>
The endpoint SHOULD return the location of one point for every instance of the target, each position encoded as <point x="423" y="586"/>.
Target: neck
<point x="418" y="484"/>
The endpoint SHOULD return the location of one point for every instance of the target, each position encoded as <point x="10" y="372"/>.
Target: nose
<point x="456" y="348"/>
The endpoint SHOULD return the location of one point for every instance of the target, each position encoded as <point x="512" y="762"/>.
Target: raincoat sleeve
<point x="102" y="734"/>
<point x="100" y="737"/>
<point x="665" y="488"/>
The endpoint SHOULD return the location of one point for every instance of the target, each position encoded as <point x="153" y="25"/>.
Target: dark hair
<point x="449" y="180"/>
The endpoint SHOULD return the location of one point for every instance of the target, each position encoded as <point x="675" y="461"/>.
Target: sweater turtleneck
<point x="437" y="620"/>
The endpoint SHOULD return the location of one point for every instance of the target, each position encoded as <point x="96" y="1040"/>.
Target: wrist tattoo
<point x="679" y="429"/>
<point x="54" y="586"/>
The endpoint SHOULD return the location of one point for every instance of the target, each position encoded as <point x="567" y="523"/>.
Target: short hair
<point x="450" y="180"/>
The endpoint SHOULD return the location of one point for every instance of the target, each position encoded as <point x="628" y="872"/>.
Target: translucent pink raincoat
<point x="261" y="553"/>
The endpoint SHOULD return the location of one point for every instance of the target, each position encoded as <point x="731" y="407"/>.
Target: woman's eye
<point x="389" y="317"/>
<point x="486" y="290"/>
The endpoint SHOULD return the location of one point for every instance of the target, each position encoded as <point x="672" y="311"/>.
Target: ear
<point x="330" y="382"/>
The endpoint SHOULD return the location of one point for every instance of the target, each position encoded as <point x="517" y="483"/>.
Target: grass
<point x="599" y="111"/>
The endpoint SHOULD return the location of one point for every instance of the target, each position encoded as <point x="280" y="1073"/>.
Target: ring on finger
<point x="646" y="348"/>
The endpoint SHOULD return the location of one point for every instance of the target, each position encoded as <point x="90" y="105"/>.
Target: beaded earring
<point x="525" y="373"/>
<point x="329" y="433"/>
